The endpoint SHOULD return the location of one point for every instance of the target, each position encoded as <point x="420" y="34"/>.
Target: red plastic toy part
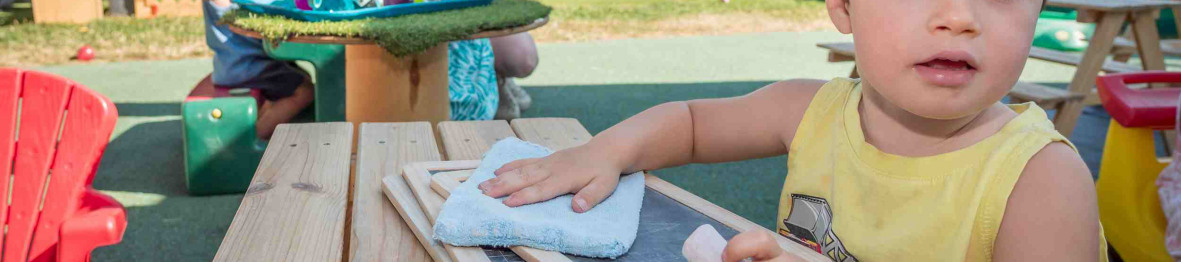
<point x="1144" y="108"/>
<point x="205" y="90"/>
<point x="54" y="215"/>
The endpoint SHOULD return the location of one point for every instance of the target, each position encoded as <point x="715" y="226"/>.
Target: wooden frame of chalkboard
<point x="432" y="181"/>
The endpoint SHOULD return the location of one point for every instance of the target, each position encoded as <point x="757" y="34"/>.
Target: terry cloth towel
<point x="470" y="218"/>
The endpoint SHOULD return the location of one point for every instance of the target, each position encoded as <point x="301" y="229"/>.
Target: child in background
<point x="481" y="72"/>
<point x="916" y="161"/>
<point x="1169" y="190"/>
<point x="241" y="62"/>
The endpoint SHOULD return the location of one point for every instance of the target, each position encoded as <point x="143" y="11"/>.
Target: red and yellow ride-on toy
<point x="1129" y="206"/>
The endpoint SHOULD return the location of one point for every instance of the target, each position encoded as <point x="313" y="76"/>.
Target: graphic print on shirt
<point x="810" y="224"/>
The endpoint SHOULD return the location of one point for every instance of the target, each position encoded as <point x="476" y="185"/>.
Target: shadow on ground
<point x="144" y="167"/>
<point x="148" y="109"/>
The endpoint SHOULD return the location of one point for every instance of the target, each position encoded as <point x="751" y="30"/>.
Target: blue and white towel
<point x="470" y="218"/>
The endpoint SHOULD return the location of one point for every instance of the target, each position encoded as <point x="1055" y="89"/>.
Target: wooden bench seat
<point x="1124" y="48"/>
<point x="1073" y="59"/>
<point x="1043" y="96"/>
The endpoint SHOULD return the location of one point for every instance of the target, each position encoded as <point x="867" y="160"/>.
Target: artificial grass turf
<point x="401" y="35"/>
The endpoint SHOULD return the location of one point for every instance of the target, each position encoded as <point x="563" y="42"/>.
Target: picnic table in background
<point x="1109" y="16"/>
<point x="307" y="203"/>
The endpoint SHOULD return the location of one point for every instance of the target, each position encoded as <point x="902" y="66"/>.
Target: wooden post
<point x="384" y="88"/>
<point x="1084" y="77"/>
<point x="1148" y="41"/>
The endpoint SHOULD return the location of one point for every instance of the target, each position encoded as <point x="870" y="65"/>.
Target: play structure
<point x="221" y="148"/>
<point x="53" y="214"/>
<point x="1129" y="206"/>
<point x="392" y="74"/>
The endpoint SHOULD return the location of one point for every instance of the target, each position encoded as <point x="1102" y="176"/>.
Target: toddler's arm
<point x="759" y="124"/>
<point x="1052" y="214"/>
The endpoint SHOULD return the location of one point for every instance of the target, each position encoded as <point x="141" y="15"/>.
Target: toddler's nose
<point x="954" y="17"/>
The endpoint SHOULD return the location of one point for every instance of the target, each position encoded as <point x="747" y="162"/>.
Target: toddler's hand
<point x="757" y="245"/>
<point x="590" y="175"/>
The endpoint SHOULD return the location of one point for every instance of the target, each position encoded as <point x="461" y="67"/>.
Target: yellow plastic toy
<point x="1129" y="206"/>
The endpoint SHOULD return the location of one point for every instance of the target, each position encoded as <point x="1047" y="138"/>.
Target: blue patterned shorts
<point x="473" y="80"/>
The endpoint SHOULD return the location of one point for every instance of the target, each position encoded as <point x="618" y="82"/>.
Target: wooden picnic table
<point x="1109" y="16"/>
<point x="308" y="202"/>
<point x="380" y="87"/>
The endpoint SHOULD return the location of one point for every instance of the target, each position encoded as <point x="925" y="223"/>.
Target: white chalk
<point x="704" y="245"/>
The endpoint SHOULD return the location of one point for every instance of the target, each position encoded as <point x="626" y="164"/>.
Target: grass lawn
<point x="127" y="39"/>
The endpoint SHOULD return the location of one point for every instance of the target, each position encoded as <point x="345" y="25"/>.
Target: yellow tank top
<point x="849" y="201"/>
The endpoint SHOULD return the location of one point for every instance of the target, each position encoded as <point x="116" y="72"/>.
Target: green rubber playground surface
<point x="599" y="83"/>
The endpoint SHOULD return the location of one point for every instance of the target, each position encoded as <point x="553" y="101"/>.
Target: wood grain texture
<point x="442" y="183"/>
<point x="294" y="209"/>
<point x="1089" y="66"/>
<point x="417" y="176"/>
<point x="1073" y="59"/>
<point x="554" y="133"/>
<point x="403" y="200"/>
<point x="468" y="140"/>
<point x="379" y="232"/>
<point x="1146" y="33"/>
<point x="384" y="88"/>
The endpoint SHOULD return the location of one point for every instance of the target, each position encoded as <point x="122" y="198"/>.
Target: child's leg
<point x="288" y="90"/>
<point x="275" y="112"/>
<point x="1169" y="184"/>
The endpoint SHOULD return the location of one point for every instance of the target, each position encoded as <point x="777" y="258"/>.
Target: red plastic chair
<point x="62" y="130"/>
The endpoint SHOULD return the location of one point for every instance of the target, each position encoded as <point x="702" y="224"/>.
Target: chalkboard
<point x="664" y="226"/>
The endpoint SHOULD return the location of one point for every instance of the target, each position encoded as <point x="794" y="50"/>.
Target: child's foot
<point x="524" y="101"/>
<point x="283" y="110"/>
<point x="509" y="108"/>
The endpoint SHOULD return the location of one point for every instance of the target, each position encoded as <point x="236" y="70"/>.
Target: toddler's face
<point x="939" y="59"/>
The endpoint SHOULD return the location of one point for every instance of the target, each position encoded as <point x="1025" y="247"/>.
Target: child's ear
<point x="838" y="11"/>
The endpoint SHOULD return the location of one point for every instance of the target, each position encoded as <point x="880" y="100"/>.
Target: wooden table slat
<point x="554" y="133"/>
<point x="295" y="210"/>
<point x="379" y="232"/>
<point x="468" y="140"/>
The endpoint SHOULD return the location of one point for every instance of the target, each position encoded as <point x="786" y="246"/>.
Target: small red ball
<point x="85" y="53"/>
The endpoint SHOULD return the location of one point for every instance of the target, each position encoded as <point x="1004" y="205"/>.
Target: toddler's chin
<point x="942" y="112"/>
